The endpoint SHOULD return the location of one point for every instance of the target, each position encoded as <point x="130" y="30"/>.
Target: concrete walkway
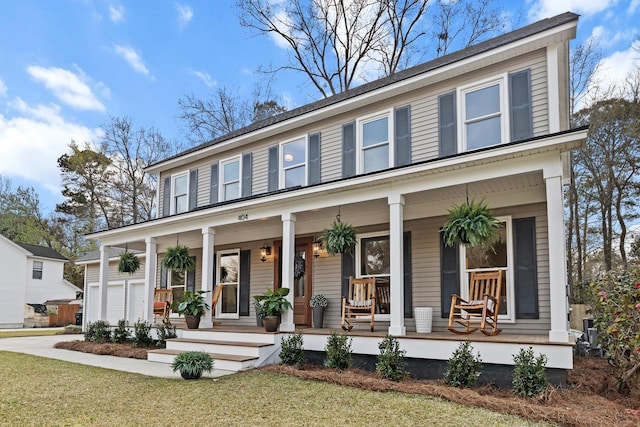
<point x="43" y="346"/>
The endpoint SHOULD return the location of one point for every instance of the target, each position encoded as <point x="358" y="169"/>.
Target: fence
<point x="66" y="315"/>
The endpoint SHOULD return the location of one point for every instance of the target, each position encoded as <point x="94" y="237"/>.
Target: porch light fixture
<point x="317" y="247"/>
<point x="264" y="252"/>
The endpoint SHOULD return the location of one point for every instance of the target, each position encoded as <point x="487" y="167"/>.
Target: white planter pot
<point x="424" y="319"/>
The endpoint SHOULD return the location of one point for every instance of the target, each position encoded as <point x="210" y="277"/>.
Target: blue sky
<point x="66" y="66"/>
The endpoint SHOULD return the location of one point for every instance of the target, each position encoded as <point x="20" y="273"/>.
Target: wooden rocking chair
<point x="482" y="307"/>
<point x="361" y="301"/>
<point x="162" y="299"/>
<point x="217" y="291"/>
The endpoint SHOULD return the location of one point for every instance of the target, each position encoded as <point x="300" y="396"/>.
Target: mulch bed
<point x="590" y="400"/>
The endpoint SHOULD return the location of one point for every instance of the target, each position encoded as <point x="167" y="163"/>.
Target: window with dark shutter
<point x="314" y="159"/>
<point x="520" y="105"/>
<point x="193" y="189"/>
<point x="449" y="276"/>
<point x="247" y="172"/>
<point x="348" y="150"/>
<point x="526" y="275"/>
<point x="447" y="129"/>
<point x="402" y="123"/>
<point x="213" y="185"/>
<point x="245" y="285"/>
<point x="273" y="177"/>
<point x="166" y="197"/>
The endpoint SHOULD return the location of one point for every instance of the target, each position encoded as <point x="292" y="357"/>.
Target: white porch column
<point x="150" y="267"/>
<point x="288" y="252"/>
<point x="396" y="218"/>
<point x="103" y="284"/>
<point x="208" y="252"/>
<point x="557" y="269"/>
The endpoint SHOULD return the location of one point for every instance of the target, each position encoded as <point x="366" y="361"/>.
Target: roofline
<point x="93" y="261"/>
<point x="435" y="66"/>
<point x="14" y="244"/>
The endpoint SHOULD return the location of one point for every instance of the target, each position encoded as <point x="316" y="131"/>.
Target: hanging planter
<point x="177" y="258"/>
<point x="340" y="238"/>
<point x="129" y="263"/>
<point x="470" y="224"/>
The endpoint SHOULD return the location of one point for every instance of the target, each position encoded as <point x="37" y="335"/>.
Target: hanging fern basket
<point x="339" y="238"/>
<point x="470" y="224"/>
<point x="177" y="258"/>
<point x="129" y="263"/>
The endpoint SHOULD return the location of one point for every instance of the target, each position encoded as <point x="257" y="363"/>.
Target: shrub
<point x="121" y="333"/>
<point x="463" y="369"/>
<point x="615" y="305"/>
<point x="142" y="334"/>
<point x="165" y="332"/>
<point x="391" y="364"/>
<point x="529" y="376"/>
<point x="192" y="363"/>
<point x="291" y="352"/>
<point x="98" y="331"/>
<point x="338" y="351"/>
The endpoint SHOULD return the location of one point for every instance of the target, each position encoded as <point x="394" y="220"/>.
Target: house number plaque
<point x="243" y="217"/>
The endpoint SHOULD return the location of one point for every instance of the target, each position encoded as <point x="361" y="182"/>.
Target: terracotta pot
<point x="192" y="321"/>
<point x="270" y="323"/>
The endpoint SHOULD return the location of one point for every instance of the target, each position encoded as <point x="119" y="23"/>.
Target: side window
<point x="37" y="270"/>
<point x="180" y="198"/>
<point x="374" y="143"/>
<point x="294" y="163"/>
<point x="230" y="173"/>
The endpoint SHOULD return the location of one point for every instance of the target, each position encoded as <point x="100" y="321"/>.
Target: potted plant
<point x="318" y="303"/>
<point x="129" y="262"/>
<point x="177" y="258"/>
<point x="470" y="224"/>
<point x="339" y="238"/>
<point x="272" y="304"/>
<point x="192" y="364"/>
<point x="192" y="305"/>
<point x="256" y="305"/>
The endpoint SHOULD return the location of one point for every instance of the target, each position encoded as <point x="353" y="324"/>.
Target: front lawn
<point x="39" y="391"/>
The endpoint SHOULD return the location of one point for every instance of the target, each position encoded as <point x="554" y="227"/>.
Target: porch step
<point x="241" y="348"/>
<point x="243" y="335"/>
<point x="226" y="362"/>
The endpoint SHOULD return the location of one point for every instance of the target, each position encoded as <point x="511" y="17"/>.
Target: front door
<point x="302" y="278"/>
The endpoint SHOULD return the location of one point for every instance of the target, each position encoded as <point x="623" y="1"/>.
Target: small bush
<point x="529" y="376"/>
<point x="165" y="332"/>
<point x="98" y="331"/>
<point x="291" y="352"/>
<point x="463" y="369"/>
<point x="142" y="334"/>
<point x="338" y="351"/>
<point x="391" y="364"/>
<point x="192" y="363"/>
<point x="121" y="333"/>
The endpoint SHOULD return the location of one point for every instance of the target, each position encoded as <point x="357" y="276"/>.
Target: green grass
<point x="35" y="332"/>
<point x="39" y="391"/>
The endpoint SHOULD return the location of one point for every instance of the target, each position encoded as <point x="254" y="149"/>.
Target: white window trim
<point x="219" y="314"/>
<point x="510" y="317"/>
<point x="359" y="237"/>
<point x="282" y="169"/>
<point x="502" y="81"/>
<point x="41" y="270"/>
<point x="237" y="158"/>
<point x="172" y="208"/>
<point x="390" y="137"/>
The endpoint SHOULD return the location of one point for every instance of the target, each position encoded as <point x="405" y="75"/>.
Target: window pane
<point x="482" y="102"/>
<point x="232" y="191"/>
<point x="294" y="153"/>
<point x="229" y="299"/>
<point x="228" y="270"/>
<point x="376" y="158"/>
<point x="484" y="256"/>
<point x="375" y="132"/>
<point x="294" y="176"/>
<point x="483" y="133"/>
<point x="375" y="256"/>
<point x="180" y="185"/>
<point x="181" y="204"/>
<point x="231" y="171"/>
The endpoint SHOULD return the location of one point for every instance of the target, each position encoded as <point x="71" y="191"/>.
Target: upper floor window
<point x="230" y="179"/>
<point x="294" y="163"/>
<point x="374" y="142"/>
<point x="484" y="115"/>
<point x="37" y="270"/>
<point x="179" y="201"/>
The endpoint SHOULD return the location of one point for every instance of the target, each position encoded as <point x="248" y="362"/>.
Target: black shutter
<point x="245" y="275"/>
<point x="449" y="276"/>
<point x="193" y="189"/>
<point x="163" y="277"/>
<point x="166" y="197"/>
<point x="402" y="125"/>
<point x="348" y="150"/>
<point x="274" y="155"/>
<point x="526" y="276"/>
<point x="213" y="186"/>
<point x="314" y="159"/>
<point x="520" y="104"/>
<point x="348" y="269"/>
<point x="447" y="129"/>
<point x="247" y="174"/>
<point x="408" y="289"/>
<point x="191" y="277"/>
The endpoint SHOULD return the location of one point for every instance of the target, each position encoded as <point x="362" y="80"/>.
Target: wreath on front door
<point x="299" y="266"/>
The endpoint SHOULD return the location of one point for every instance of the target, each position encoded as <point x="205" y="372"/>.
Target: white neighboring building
<point x="29" y="274"/>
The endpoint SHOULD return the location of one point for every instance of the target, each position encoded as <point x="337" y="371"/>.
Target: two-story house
<point x="490" y="122"/>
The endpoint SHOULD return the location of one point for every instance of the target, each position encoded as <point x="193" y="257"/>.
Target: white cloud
<point x="607" y="39"/>
<point x="633" y="7"/>
<point x="132" y="57"/>
<point x="205" y="77"/>
<point x="67" y="87"/>
<point x="185" y="13"/>
<point x="547" y="8"/>
<point x="32" y="141"/>
<point x="116" y="13"/>
<point x="3" y="89"/>
<point x="616" y="67"/>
